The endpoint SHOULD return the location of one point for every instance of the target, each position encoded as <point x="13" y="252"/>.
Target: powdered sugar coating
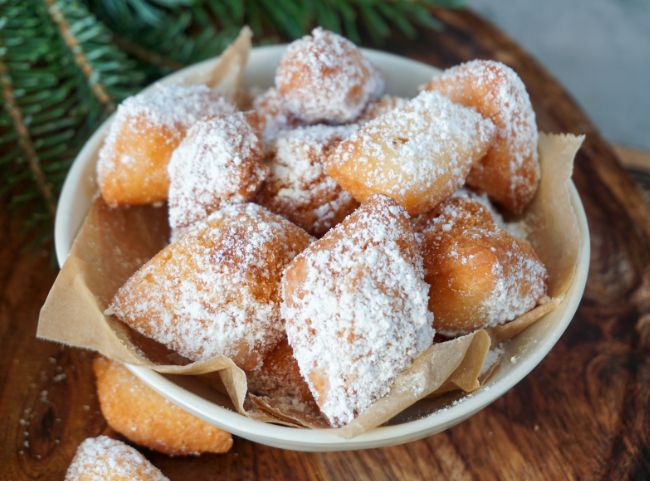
<point x="132" y="165"/>
<point x="517" y="229"/>
<point x="382" y="105"/>
<point x="355" y="307"/>
<point x="105" y="459"/>
<point x="325" y="78"/>
<point x="480" y="275"/>
<point x="272" y="115"/>
<point x="215" y="290"/>
<point x="176" y="106"/>
<point x="509" y="173"/>
<point x="219" y="161"/>
<point x="279" y="377"/>
<point x="298" y="187"/>
<point x="417" y="154"/>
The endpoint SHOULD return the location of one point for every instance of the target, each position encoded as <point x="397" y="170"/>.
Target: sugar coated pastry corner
<point x="215" y="290"/>
<point x="479" y="274"/>
<point x="355" y="307"/>
<point x="219" y="161"/>
<point x="298" y="187"/>
<point x="132" y="165"/>
<point x="106" y="459"/>
<point x="509" y="172"/>
<point x="418" y="153"/>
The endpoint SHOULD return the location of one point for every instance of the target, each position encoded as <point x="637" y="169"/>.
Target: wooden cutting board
<point x="582" y="414"/>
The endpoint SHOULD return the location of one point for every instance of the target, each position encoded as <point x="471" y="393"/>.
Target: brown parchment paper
<point x="225" y="76"/>
<point x="110" y="246"/>
<point x="114" y="242"/>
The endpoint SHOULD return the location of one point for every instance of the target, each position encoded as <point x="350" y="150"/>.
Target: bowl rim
<point x="323" y="439"/>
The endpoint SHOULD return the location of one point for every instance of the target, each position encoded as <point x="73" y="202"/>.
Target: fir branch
<point x="56" y="87"/>
<point x="25" y="141"/>
<point x="65" y="65"/>
<point x="80" y="56"/>
<point x="162" y="62"/>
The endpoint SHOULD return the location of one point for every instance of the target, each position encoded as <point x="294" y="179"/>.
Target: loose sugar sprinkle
<point x="298" y="187"/>
<point x="325" y="78"/>
<point x="215" y="290"/>
<point x="219" y="161"/>
<point x="103" y="458"/>
<point x="359" y="315"/>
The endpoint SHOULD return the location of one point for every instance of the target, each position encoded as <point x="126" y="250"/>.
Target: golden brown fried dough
<point x="132" y="166"/>
<point x="324" y="77"/>
<point x="272" y="115"/>
<point x="417" y="154"/>
<point x="382" y="105"/>
<point x="509" y="172"/>
<point x="146" y="418"/>
<point x="355" y="306"/>
<point x="298" y="187"/>
<point x="479" y="275"/>
<point x="220" y="161"/>
<point x="215" y="290"/>
<point x="279" y="376"/>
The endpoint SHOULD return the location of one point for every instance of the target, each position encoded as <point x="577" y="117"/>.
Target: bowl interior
<point x="522" y="354"/>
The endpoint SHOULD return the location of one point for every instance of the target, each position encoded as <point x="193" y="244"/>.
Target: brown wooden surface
<point x="582" y="414"/>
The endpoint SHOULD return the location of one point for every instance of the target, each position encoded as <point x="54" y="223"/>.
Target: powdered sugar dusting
<point x="417" y="154"/>
<point x="498" y="93"/>
<point x="173" y="108"/>
<point x="517" y="229"/>
<point x="355" y="306"/>
<point x="216" y="289"/>
<point x="379" y="107"/>
<point x="518" y="277"/>
<point x="219" y="161"/>
<point x="508" y="300"/>
<point x="273" y="115"/>
<point x="103" y="458"/>
<point x="325" y="78"/>
<point x="298" y="187"/>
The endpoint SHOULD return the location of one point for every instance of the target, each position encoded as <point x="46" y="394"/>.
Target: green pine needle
<point x="66" y="64"/>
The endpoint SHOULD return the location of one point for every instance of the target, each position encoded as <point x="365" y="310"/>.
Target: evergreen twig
<point x="66" y="64"/>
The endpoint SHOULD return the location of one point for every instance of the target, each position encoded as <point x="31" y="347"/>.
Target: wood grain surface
<point x="582" y="414"/>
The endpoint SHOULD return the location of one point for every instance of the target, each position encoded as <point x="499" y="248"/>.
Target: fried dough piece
<point x="132" y="166"/>
<point x="215" y="290"/>
<point x="272" y="115"/>
<point x="382" y="105"/>
<point x="146" y="418"/>
<point x="324" y="77"/>
<point x="279" y="376"/>
<point x="417" y="154"/>
<point x="219" y="161"/>
<point x="110" y="460"/>
<point x="509" y="172"/>
<point x="298" y="187"/>
<point x="479" y="274"/>
<point x="355" y="307"/>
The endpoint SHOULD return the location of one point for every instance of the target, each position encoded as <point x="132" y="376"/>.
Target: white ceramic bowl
<point x="402" y="78"/>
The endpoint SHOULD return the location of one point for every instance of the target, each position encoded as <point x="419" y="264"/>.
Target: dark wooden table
<point x="582" y="414"/>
